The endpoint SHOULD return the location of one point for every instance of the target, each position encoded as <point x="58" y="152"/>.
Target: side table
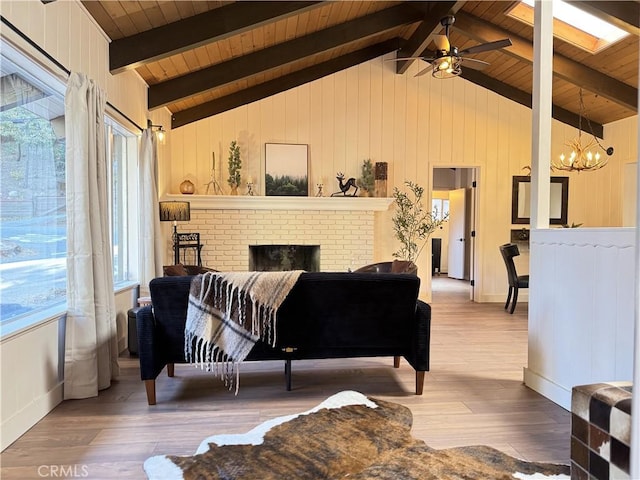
<point x="132" y="331"/>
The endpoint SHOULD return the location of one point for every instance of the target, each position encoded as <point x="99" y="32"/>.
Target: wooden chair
<point x="396" y="266"/>
<point x="188" y="241"/>
<point x="508" y="251"/>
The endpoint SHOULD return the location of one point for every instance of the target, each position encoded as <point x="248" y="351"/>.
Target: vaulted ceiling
<point x="201" y="58"/>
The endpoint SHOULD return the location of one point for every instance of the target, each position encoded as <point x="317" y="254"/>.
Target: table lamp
<point x="174" y="211"/>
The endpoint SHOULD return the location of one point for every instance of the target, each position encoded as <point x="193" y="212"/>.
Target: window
<point x="33" y="240"/>
<point x="574" y="25"/>
<point x="440" y="208"/>
<point x="122" y="158"/>
<point x="33" y="220"/>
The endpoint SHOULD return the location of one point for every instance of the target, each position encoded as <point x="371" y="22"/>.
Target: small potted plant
<point x="412" y="222"/>
<point x="366" y="181"/>
<point x="235" y="164"/>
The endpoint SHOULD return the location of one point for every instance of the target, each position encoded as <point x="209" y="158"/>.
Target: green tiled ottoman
<point x="600" y="431"/>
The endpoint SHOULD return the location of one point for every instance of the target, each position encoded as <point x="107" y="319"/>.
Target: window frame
<point x="127" y="240"/>
<point x="48" y="75"/>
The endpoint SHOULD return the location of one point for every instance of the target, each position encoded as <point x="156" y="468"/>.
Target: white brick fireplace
<point x="343" y="227"/>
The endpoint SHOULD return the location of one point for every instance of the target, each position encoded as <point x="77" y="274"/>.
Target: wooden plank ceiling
<point x="201" y="58"/>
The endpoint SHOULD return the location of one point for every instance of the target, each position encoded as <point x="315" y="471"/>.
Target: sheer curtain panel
<point x="150" y="235"/>
<point x="91" y="347"/>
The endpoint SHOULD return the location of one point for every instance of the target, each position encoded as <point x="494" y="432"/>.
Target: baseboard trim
<point x="545" y="387"/>
<point x="501" y="298"/>
<point x="15" y="426"/>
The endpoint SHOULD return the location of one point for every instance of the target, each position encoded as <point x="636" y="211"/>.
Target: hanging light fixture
<point x="585" y="157"/>
<point x="160" y="132"/>
<point x="447" y="66"/>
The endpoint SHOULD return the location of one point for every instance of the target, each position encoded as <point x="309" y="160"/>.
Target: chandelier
<point x="582" y="157"/>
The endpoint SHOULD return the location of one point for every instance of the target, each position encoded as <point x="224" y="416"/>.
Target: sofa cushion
<point x="329" y="312"/>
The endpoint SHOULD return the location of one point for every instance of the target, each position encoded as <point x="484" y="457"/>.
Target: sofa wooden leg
<point x="419" y="382"/>
<point x="396" y="362"/>
<point x="170" y="369"/>
<point x="150" y="386"/>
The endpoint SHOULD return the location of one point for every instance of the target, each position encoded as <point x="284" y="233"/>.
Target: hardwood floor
<point x="473" y="395"/>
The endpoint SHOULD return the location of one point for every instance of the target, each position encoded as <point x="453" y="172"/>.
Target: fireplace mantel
<point x="244" y="202"/>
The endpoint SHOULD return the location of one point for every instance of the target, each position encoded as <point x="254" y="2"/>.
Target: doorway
<point x="454" y="193"/>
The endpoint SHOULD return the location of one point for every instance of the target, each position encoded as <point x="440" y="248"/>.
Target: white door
<point x="457" y="221"/>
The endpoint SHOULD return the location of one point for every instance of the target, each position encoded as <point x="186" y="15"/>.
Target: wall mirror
<point x="521" y="200"/>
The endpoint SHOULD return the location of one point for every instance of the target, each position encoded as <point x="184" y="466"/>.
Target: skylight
<point x="574" y="25"/>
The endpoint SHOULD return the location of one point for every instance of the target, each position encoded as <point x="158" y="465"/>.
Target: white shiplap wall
<point x="624" y="137"/>
<point x="414" y="124"/>
<point x="581" y="315"/>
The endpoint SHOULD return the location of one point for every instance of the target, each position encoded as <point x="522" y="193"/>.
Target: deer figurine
<point x="344" y="187"/>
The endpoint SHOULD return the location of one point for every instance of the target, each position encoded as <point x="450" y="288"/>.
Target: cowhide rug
<point x="346" y="436"/>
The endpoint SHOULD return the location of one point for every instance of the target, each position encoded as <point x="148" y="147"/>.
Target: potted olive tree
<point x="412" y="222"/>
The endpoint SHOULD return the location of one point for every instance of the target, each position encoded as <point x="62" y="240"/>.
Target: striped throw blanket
<point x="228" y="313"/>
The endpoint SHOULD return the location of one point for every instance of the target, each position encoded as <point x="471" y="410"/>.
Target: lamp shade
<point x="174" y="211"/>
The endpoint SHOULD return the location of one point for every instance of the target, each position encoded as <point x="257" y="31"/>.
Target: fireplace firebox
<point x="273" y="258"/>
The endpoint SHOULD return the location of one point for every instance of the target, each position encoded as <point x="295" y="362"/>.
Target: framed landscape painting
<point x="286" y="170"/>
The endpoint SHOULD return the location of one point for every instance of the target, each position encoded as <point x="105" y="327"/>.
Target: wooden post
<point x="541" y="114"/>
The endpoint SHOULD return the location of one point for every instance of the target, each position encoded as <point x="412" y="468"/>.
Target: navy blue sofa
<point x="326" y="315"/>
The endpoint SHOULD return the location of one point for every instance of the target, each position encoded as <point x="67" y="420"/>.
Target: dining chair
<point x="509" y="251"/>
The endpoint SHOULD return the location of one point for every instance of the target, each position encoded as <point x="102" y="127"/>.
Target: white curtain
<point x="91" y="346"/>
<point x="150" y="234"/>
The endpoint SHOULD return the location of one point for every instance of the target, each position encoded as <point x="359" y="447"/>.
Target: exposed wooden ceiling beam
<point x="524" y="98"/>
<point x="281" y="84"/>
<point x="564" y="68"/>
<point x="624" y="15"/>
<point x="232" y="70"/>
<point x="192" y="32"/>
<point x="423" y="36"/>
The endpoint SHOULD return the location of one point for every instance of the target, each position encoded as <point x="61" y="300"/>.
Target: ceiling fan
<point x="446" y="61"/>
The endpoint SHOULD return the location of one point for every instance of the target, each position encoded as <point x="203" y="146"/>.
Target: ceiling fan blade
<point x="402" y="59"/>
<point x="424" y="71"/>
<point x="442" y="42"/>
<point x="485" y="47"/>
<point x="475" y="64"/>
